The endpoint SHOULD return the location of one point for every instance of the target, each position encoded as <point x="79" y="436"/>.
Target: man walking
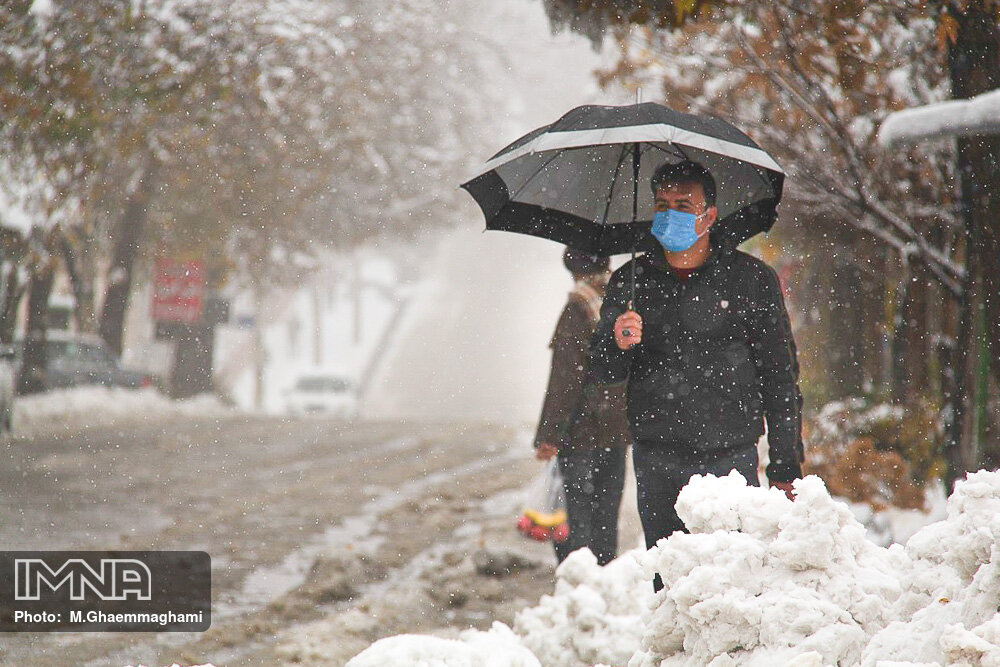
<point x="707" y="351"/>
<point x="582" y="422"/>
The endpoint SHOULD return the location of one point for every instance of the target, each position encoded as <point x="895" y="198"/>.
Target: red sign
<point x="178" y="291"/>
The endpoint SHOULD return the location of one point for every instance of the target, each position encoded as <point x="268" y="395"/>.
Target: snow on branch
<point x="954" y="118"/>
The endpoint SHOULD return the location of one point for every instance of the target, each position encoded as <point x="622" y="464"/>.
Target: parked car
<point x="324" y="393"/>
<point x="79" y="359"/>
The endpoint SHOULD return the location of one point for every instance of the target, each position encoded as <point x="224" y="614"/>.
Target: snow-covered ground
<point x="79" y="408"/>
<point x="760" y="580"/>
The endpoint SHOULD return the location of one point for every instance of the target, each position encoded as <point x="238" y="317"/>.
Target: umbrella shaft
<point x="635" y="212"/>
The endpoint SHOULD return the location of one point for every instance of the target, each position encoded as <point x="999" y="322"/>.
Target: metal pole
<point x="635" y="201"/>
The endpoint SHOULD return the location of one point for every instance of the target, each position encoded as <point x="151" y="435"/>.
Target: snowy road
<point x="324" y="536"/>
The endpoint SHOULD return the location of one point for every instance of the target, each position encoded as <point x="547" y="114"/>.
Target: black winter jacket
<point x="717" y="358"/>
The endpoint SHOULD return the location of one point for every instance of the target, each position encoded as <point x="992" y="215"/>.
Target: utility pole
<point x="356" y="293"/>
<point x="317" y="326"/>
<point x="259" y="355"/>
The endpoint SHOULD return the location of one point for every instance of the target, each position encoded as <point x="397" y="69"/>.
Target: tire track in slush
<point x="266" y="584"/>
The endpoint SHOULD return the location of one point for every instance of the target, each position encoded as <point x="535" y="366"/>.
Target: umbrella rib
<point x="618" y="169"/>
<point x="537" y="172"/>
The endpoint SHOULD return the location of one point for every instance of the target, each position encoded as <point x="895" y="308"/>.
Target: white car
<point x="321" y="393"/>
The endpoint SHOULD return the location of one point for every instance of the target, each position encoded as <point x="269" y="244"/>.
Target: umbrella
<point x="577" y="181"/>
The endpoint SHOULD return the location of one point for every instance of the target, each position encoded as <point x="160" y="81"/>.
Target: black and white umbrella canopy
<point x="573" y="181"/>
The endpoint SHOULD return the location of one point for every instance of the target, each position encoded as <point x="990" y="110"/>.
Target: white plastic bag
<point x="544" y="515"/>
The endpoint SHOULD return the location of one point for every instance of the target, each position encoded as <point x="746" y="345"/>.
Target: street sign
<point x="179" y="290"/>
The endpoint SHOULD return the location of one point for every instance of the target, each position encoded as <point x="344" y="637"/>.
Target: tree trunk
<point x="192" y="371"/>
<point x="13" y="291"/>
<point x="920" y="328"/>
<point x="126" y="250"/>
<point x="990" y="253"/>
<point x="73" y="250"/>
<point x="31" y="377"/>
<point x="974" y="61"/>
<point x="899" y="373"/>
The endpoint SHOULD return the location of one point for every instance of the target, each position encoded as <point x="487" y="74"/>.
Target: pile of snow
<point x="497" y="648"/>
<point x="761" y="580"/>
<point x="948" y="610"/>
<point x="95" y="406"/>
<point x="594" y="616"/>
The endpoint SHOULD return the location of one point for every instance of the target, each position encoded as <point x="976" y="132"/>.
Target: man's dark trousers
<point x="593" y="479"/>
<point x="660" y="474"/>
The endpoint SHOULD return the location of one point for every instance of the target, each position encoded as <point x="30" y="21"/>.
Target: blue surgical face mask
<point x="675" y="230"/>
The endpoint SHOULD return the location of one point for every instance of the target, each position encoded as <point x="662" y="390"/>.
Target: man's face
<point x="686" y="197"/>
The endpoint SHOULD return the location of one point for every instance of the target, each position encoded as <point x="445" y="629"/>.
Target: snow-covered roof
<point x="954" y="118"/>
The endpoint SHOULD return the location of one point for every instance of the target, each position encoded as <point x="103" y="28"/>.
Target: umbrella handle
<point x="627" y="332"/>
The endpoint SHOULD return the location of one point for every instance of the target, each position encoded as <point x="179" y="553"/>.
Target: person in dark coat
<point x="707" y="352"/>
<point x="584" y="423"/>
